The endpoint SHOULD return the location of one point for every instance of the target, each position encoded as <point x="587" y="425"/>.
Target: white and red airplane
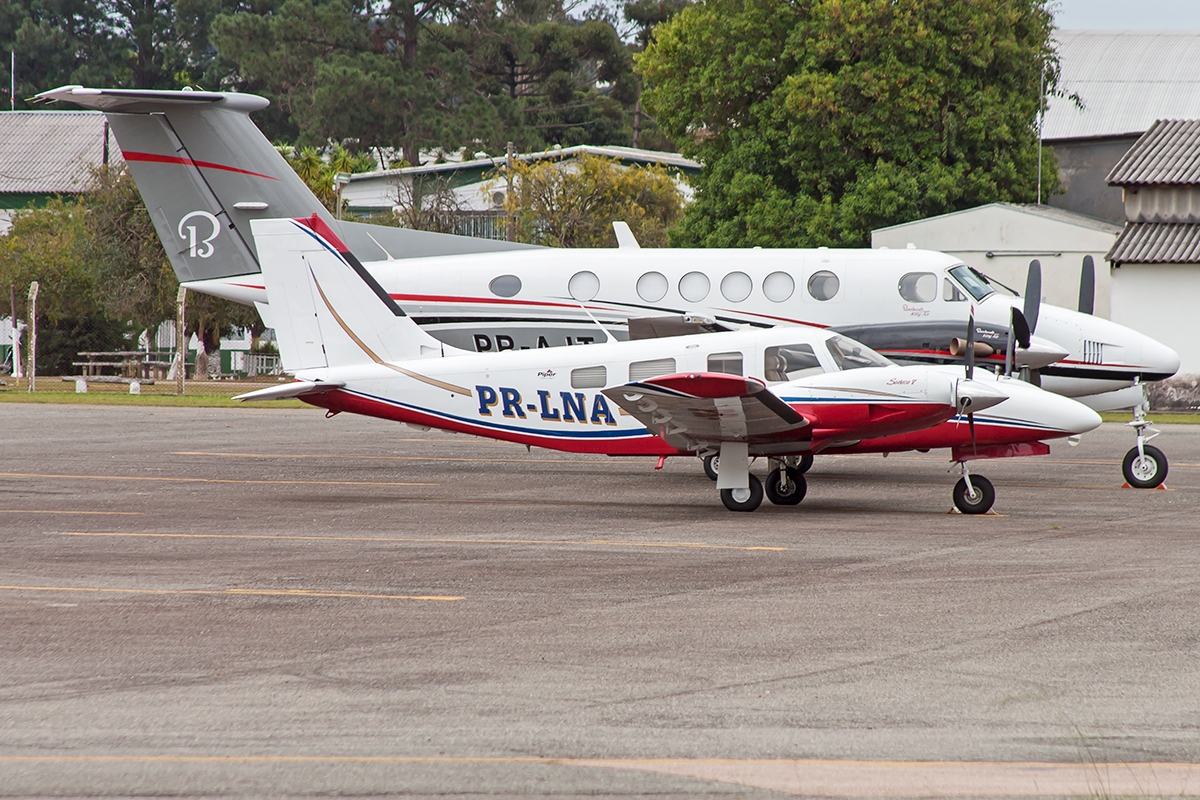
<point x="779" y="393"/>
<point x="205" y="172"/>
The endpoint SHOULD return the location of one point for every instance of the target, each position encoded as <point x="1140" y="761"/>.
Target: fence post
<point x="180" y="340"/>
<point x="32" y="370"/>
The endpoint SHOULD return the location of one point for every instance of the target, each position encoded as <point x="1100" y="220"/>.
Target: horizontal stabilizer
<point x="291" y="390"/>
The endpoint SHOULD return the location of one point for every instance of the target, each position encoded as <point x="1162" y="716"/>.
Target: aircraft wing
<point x="692" y="409"/>
<point x="674" y="325"/>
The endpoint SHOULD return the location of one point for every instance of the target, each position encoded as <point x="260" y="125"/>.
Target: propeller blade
<point x="1033" y="294"/>
<point x="1020" y="328"/>
<point x="971" y="425"/>
<point x="1087" y="286"/>
<point x="969" y="352"/>
<point x="1010" y="345"/>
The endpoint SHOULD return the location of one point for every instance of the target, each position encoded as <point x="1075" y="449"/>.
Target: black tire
<point x="1145" y="473"/>
<point x="797" y="490"/>
<point x="806" y="463"/>
<point x="981" y="503"/>
<point x="711" y="465"/>
<point x="753" y="501"/>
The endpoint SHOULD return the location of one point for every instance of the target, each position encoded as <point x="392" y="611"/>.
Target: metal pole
<point x="32" y="370"/>
<point x="180" y="340"/>
<point x="12" y="82"/>
<point x="1041" y="118"/>
<point x="510" y="229"/>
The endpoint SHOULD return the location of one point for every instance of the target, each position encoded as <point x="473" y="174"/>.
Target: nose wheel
<point x="1144" y="466"/>
<point x="973" y="494"/>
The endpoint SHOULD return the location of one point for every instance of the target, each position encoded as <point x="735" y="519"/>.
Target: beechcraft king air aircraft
<point x="776" y="392"/>
<point x="205" y="172"/>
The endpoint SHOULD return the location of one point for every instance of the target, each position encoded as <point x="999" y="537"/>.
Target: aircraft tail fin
<point x="205" y="171"/>
<point x="327" y="309"/>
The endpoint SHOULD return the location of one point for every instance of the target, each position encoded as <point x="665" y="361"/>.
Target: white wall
<point x="999" y="229"/>
<point x="1161" y="301"/>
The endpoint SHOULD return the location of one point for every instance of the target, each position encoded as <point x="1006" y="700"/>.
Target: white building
<point x="1000" y="239"/>
<point x="1156" y="260"/>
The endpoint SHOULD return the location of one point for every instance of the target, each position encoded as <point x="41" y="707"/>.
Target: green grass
<point x="217" y="399"/>
<point x="1172" y="417"/>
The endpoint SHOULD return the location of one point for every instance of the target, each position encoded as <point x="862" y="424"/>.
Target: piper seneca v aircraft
<point x="205" y="171"/>
<point x="352" y="348"/>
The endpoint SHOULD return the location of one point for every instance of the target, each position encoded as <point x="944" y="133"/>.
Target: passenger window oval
<point x="823" y="285"/>
<point x="694" y="287"/>
<point x="505" y="285"/>
<point x="778" y="287"/>
<point x="584" y="285"/>
<point x="736" y="286"/>
<point x="652" y="287"/>
<point x="918" y="287"/>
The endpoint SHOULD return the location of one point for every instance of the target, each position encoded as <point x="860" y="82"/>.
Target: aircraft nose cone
<point x="1159" y="359"/>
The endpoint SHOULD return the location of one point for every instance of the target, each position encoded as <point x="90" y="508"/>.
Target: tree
<point x="820" y="120"/>
<point x="574" y="204"/>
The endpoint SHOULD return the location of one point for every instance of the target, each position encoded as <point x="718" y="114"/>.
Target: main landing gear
<point x="973" y="495"/>
<point x="785" y="484"/>
<point x="1145" y="466"/>
<point x="712" y="464"/>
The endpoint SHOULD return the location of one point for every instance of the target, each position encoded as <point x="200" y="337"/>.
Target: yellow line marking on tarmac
<point x="812" y="777"/>
<point x="436" y="540"/>
<point x="396" y="458"/>
<point x="233" y="592"/>
<point x="164" y="479"/>
<point x="52" y="511"/>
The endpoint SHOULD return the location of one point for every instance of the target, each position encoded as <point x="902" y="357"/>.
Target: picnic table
<point x="129" y="364"/>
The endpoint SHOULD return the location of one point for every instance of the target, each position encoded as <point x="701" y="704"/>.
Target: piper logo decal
<point x="199" y="248"/>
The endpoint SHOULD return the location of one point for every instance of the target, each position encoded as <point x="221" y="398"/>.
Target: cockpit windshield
<point x="849" y="354"/>
<point x="977" y="284"/>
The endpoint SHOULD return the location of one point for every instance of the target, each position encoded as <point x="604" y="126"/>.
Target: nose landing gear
<point x="973" y="495"/>
<point x="1145" y="466"/>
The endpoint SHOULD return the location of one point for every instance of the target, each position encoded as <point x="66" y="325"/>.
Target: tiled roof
<point x="43" y="152"/>
<point x="1157" y="243"/>
<point x="1168" y="153"/>
<point x="1125" y="79"/>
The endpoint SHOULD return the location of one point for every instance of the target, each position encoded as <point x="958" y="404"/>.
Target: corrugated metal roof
<point x="609" y="151"/>
<point x="44" y="152"/>
<point x="1157" y="243"/>
<point x="1126" y="79"/>
<point x="1168" y="153"/>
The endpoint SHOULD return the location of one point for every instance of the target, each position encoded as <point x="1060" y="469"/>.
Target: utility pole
<point x="510" y="229"/>
<point x="12" y="81"/>
<point x="32" y="370"/>
<point x="1041" y="119"/>
<point x="180" y="340"/>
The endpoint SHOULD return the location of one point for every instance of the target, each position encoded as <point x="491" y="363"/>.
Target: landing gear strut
<point x="973" y="495"/>
<point x="1145" y="466"/>
<point x="712" y="465"/>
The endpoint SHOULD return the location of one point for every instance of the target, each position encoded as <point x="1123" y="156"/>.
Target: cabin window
<point x="790" y="361"/>
<point x="823" y="285"/>
<point x="589" y="378"/>
<point x="694" y="287"/>
<point x="778" y="287"/>
<point x="849" y="354"/>
<point x="583" y="285"/>
<point x="736" y="286"/>
<point x="505" y="285"/>
<point x="728" y="363"/>
<point x="951" y="293"/>
<point x="652" y="287"/>
<point x="641" y="370"/>
<point x="919" y="287"/>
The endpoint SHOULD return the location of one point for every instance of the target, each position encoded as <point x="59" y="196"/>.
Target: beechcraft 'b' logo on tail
<point x="199" y="245"/>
